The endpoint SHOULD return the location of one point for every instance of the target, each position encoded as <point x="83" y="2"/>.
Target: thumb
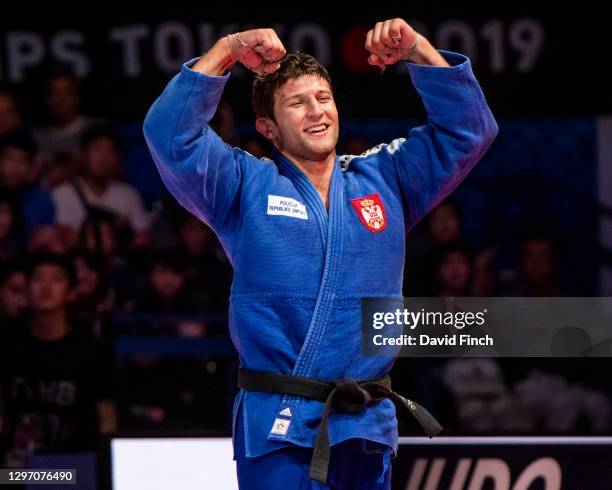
<point x="375" y="60"/>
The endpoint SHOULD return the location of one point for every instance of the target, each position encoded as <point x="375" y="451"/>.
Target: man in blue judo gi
<point x="308" y="234"/>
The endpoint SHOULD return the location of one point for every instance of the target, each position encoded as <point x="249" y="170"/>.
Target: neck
<point x="50" y="325"/>
<point x="98" y="186"/>
<point x="319" y="172"/>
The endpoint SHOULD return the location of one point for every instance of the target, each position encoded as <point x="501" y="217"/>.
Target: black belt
<point x="341" y="395"/>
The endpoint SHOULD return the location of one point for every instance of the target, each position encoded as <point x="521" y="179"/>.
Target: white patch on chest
<point x="286" y="206"/>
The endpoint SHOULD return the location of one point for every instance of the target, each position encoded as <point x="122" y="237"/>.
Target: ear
<point x="267" y="128"/>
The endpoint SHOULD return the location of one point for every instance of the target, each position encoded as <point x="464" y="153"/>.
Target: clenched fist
<point x="259" y="50"/>
<point x="391" y="41"/>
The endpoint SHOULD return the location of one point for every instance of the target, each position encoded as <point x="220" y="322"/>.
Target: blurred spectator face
<point x="537" y="262"/>
<point x="14" y="295"/>
<point x="102" y="159"/>
<point x="444" y="224"/>
<point x="47" y="238"/>
<point x="9" y="114"/>
<point x="14" y="166"/>
<point x="108" y="238"/>
<point x="63" y="98"/>
<point x="166" y="282"/>
<point x="49" y="288"/>
<point x="6" y="220"/>
<point x="454" y="272"/>
<point x="195" y="236"/>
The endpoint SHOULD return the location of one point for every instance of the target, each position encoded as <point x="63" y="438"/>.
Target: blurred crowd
<point x="499" y="395"/>
<point x="85" y="262"/>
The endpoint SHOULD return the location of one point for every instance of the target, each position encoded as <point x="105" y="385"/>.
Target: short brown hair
<point x="294" y="65"/>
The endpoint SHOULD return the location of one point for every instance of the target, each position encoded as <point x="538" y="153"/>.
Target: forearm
<point x="426" y="54"/>
<point x="217" y="60"/>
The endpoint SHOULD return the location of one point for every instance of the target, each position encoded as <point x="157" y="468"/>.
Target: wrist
<point x="408" y="54"/>
<point x="217" y="60"/>
<point x="425" y="54"/>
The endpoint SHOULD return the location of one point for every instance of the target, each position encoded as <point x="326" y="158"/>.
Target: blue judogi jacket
<point x="300" y="269"/>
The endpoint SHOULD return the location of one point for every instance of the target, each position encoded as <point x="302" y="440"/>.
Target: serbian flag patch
<point x="371" y="212"/>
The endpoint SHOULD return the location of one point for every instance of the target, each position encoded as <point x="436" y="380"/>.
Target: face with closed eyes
<point x="306" y="119"/>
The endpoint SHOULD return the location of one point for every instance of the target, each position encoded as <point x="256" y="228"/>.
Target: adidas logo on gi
<point x="285" y="412"/>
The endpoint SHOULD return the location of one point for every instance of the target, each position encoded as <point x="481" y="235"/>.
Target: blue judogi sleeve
<point x="436" y="157"/>
<point x="197" y="167"/>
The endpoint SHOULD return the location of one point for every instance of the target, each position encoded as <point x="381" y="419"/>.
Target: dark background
<point x="567" y="77"/>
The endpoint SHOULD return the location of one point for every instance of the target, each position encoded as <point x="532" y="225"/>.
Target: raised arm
<point x="436" y="157"/>
<point x="198" y="168"/>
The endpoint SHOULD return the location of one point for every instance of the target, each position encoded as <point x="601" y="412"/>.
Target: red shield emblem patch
<point x="371" y="212"/>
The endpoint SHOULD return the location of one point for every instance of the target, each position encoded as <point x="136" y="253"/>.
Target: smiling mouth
<point x="318" y="129"/>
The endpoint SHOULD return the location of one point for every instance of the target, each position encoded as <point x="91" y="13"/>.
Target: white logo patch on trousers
<point x="280" y="427"/>
<point x="286" y="206"/>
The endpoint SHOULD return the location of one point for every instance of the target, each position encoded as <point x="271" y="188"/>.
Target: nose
<point x="315" y="109"/>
